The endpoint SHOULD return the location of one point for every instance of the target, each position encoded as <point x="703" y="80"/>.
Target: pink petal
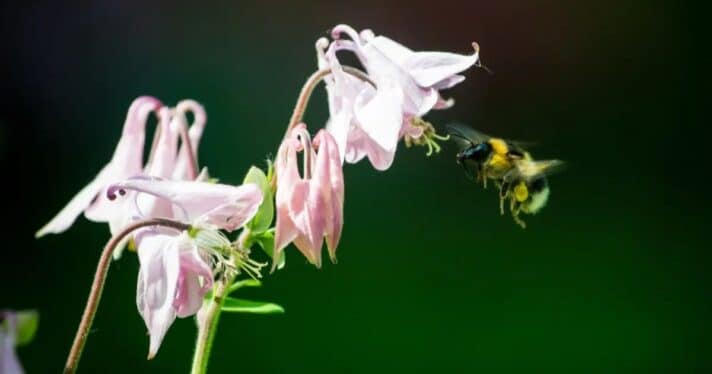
<point x="161" y="165"/>
<point x="163" y="159"/>
<point x="361" y="145"/>
<point x="380" y="116"/>
<point x="159" y="256"/>
<point x="195" y="133"/>
<point x="287" y="176"/>
<point x="223" y="205"/>
<point x="306" y="209"/>
<point x="449" y="82"/>
<point x="433" y="68"/>
<point x="392" y="50"/>
<point x="194" y="281"/>
<point x="329" y="175"/>
<point x="125" y="163"/>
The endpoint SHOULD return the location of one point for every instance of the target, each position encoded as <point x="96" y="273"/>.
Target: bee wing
<point x="529" y="169"/>
<point x="521" y="146"/>
<point x="465" y="136"/>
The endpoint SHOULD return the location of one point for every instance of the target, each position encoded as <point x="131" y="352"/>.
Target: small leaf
<point x="263" y="219"/>
<point x="27" y="321"/>
<point x="249" y="306"/>
<point x="244" y="283"/>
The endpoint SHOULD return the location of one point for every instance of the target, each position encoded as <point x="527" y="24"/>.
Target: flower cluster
<point x="177" y="269"/>
<point x="178" y="219"/>
<point x="369" y="114"/>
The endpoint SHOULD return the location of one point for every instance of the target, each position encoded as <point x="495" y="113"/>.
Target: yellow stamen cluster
<point x="429" y="137"/>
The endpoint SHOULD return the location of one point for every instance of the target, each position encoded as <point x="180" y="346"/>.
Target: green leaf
<point x="263" y="219"/>
<point x="249" y="306"/>
<point x="244" y="283"/>
<point x="27" y="321"/>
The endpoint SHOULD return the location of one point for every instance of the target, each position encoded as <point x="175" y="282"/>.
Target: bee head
<point x="477" y="152"/>
<point x="460" y="157"/>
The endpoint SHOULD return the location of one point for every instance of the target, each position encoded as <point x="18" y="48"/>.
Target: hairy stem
<point x="208" y="322"/>
<point x="98" y="286"/>
<point x="208" y="326"/>
<point x="310" y="85"/>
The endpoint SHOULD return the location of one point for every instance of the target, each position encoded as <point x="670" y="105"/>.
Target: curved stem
<point x="308" y="89"/>
<point x="98" y="286"/>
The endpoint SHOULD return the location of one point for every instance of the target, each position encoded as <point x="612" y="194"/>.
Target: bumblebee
<point x="519" y="178"/>
<point x="526" y="187"/>
<point x="490" y="157"/>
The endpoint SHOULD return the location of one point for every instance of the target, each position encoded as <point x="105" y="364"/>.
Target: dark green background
<point x="610" y="277"/>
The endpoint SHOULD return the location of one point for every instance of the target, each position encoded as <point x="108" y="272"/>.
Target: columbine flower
<point x="167" y="160"/>
<point x="421" y="75"/>
<point x="368" y="121"/>
<point x="171" y="282"/>
<point x="309" y="206"/>
<point x="177" y="268"/>
<point x="126" y="162"/>
<point x="364" y="120"/>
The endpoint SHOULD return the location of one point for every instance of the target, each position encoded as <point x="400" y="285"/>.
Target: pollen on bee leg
<point x="521" y="192"/>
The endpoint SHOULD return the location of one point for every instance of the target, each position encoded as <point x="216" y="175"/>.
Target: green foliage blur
<point x="612" y="276"/>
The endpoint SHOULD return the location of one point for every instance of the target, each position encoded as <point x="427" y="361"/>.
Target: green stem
<point x="208" y="326"/>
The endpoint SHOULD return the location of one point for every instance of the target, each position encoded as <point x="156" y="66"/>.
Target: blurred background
<point x="610" y="277"/>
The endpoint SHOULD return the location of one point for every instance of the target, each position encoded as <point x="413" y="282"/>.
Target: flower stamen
<point x="424" y="135"/>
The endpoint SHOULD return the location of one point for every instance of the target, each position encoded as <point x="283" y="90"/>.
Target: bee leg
<point x="503" y="193"/>
<point x="517" y="220"/>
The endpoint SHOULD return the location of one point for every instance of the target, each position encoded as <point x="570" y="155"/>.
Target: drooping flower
<point x="126" y="162"/>
<point x="172" y="282"/>
<point x="365" y="121"/>
<point x="177" y="268"/>
<point x="368" y="121"/>
<point x="310" y="205"/>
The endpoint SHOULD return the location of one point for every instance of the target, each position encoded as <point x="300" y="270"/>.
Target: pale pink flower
<point x="126" y="162"/>
<point x="365" y="121"/>
<point x="310" y="205"/>
<point x="172" y="282"/>
<point x="421" y="75"/>
<point x="176" y="268"/>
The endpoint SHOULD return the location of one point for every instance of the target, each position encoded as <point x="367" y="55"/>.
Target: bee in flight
<point x="520" y="179"/>
<point x="490" y="157"/>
